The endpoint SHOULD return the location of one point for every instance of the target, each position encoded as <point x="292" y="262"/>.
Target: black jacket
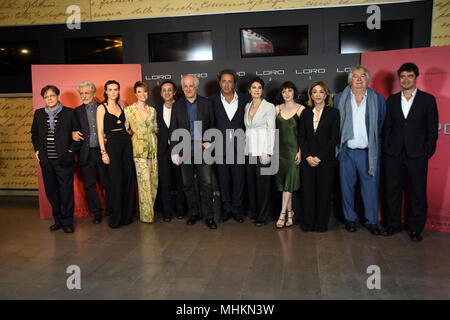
<point x="180" y="120"/>
<point x="67" y="122"/>
<point x="322" y="143"/>
<point x="417" y="133"/>
<point x="222" y="122"/>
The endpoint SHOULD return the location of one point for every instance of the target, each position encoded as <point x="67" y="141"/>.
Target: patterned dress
<point x="145" y="146"/>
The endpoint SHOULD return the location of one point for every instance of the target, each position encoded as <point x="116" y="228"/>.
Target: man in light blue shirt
<point x="362" y="113"/>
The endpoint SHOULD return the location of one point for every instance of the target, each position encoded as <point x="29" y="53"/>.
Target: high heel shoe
<point x="290" y="219"/>
<point x="281" y="222"/>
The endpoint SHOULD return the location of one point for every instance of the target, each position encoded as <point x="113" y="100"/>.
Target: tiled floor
<point x="236" y="261"/>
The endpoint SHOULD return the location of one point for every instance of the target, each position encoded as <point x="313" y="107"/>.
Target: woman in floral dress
<point x="141" y="120"/>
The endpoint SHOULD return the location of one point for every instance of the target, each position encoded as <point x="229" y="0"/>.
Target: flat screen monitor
<point x="94" y="50"/>
<point x="274" y="41"/>
<point x="180" y="46"/>
<point x="16" y="58"/>
<point x="357" y="38"/>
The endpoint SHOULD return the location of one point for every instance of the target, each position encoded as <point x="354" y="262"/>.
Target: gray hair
<point x="196" y="81"/>
<point x="86" y="84"/>
<point x="358" y="67"/>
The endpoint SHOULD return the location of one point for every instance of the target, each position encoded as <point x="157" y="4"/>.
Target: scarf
<point x="52" y="114"/>
<point x="346" y="114"/>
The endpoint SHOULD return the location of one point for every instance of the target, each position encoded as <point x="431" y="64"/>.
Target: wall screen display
<point x="180" y="46"/>
<point x="357" y="38"/>
<point x="274" y="41"/>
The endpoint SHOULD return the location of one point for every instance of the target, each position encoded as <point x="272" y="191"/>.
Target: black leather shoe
<point x="260" y="223"/>
<point x="211" y="224"/>
<point x="350" y="226"/>
<point x="180" y="216"/>
<point x="238" y="218"/>
<point x="167" y="219"/>
<point x="415" y="236"/>
<point x="56" y="226"/>
<point x="97" y="221"/>
<point x="374" y="230"/>
<point x="68" y="229"/>
<point x="391" y="231"/>
<point x="192" y="220"/>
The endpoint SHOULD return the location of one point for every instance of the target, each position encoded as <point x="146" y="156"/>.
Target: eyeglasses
<point x="50" y="96"/>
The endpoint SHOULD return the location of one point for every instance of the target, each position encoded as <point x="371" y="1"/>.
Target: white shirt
<point x="166" y="115"/>
<point x="360" y="139"/>
<point x="406" y="104"/>
<point x="316" y="118"/>
<point x="230" y="108"/>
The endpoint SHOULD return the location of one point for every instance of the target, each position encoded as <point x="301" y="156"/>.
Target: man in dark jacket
<point x="409" y="140"/>
<point x="229" y="109"/>
<point x="89" y="157"/>
<point x="51" y="135"/>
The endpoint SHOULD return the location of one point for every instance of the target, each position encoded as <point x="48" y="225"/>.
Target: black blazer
<point x="179" y="118"/>
<point x="67" y="122"/>
<point x="163" y="134"/>
<point x="83" y="121"/>
<point x="417" y="133"/>
<point x="222" y="122"/>
<point x="322" y="143"/>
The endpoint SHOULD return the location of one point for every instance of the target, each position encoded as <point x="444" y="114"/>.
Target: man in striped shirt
<point x="51" y="135"/>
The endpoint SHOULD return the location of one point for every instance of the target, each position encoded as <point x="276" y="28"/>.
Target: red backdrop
<point x="434" y="78"/>
<point x="66" y="78"/>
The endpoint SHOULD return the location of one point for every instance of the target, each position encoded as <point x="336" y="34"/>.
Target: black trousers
<point x="204" y="176"/>
<point x="58" y="183"/>
<point x="317" y="188"/>
<point x="122" y="176"/>
<point x="259" y="191"/>
<point x="170" y="179"/>
<point x="396" y="170"/>
<point x="232" y="187"/>
<point x="95" y="170"/>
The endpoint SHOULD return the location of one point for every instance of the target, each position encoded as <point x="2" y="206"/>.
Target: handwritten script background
<point x="29" y="12"/>
<point x="17" y="161"/>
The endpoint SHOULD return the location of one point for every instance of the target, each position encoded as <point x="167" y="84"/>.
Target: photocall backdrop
<point x="66" y="78"/>
<point x="302" y="70"/>
<point x="434" y="72"/>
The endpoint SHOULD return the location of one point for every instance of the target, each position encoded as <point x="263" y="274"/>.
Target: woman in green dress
<point x="141" y="119"/>
<point x="288" y="176"/>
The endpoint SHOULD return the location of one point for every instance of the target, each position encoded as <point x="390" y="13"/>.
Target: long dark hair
<point x="106" y="96"/>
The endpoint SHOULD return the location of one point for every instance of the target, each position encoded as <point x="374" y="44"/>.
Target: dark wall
<point x="323" y="32"/>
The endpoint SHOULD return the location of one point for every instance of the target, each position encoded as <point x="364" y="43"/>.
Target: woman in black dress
<point x="117" y="153"/>
<point x="318" y="137"/>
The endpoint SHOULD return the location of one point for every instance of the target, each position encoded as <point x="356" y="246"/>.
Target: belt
<point x="363" y="149"/>
<point x="95" y="148"/>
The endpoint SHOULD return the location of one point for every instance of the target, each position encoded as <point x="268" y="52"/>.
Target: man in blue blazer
<point x="409" y="140"/>
<point x="362" y="112"/>
<point x="229" y="109"/>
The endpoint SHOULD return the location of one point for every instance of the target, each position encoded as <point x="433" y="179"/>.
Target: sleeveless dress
<point x="121" y="172"/>
<point x="145" y="145"/>
<point x="288" y="176"/>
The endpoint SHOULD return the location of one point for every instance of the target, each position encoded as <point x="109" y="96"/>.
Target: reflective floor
<point x="236" y="261"/>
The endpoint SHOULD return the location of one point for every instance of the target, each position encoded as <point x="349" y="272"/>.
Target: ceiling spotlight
<point x="24" y="51"/>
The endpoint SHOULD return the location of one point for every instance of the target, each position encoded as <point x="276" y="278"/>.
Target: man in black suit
<point x="169" y="174"/>
<point x="89" y="157"/>
<point x="51" y="135"/>
<point x="229" y="109"/>
<point x="409" y="140"/>
<point x="193" y="114"/>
